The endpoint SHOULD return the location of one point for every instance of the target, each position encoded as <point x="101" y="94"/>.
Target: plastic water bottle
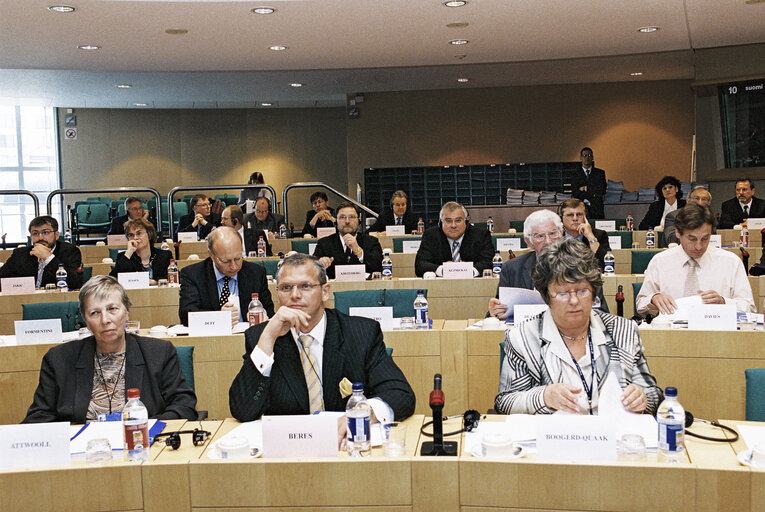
<point x="282" y="231"/>
<point x="164" y="246"/>
<point x="421" y="310"/>
<point x="496" y="264"/>
<point x="255" y="312"/>
<point x="68" y="236"/>
<point x="358" y="415"/>
<point x="420" y="226"/>
<point x="172" y="273"/>
<point x="630" y="222"/>
<point x="61" y="283"/>
<point x="490" y="224"/>
<point x="650" y="239"/>
<point x="671" y="420"/>
<point x="744" y="237"/>
<point x="609" y="262"/>
<point x="135" y="424"/>
<point x="387" y="265"/>
<point x="261" y="248"/>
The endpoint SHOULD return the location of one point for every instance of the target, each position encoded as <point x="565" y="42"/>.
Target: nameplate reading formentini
<point x="38" y="332"/>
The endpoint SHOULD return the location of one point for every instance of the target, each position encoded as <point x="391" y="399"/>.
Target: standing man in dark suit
<point x="299" y="361"/>
<point x="589" y="184"/>
<point x="232" y="217"/>
<point x="263" y="219"/>
<point x="347" y="246"/>
<point x="454" y="239"/>
<point x="207" y="285"/>
<point x="41" y="261"/>
<point x="577" y="226"/>
<point x="200" y="219"/>
<point x="398" y="214"/>
<point x="744" y="205"/>
<point x="133" y="210"/>
<point x="322" y="216"/>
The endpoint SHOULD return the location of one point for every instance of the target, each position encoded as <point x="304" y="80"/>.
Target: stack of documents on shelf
<point x="530" y="197"/>
<point x="514" y="196"/>
<point x="562" y="196"/>
<point x="547" y="197"/>
<point x="628" y="196"/>
<point x="647" y="194"/>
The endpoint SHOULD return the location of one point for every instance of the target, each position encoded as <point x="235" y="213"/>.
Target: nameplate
<point x="17" y="285"/>
<point x="615" y="242"/>
<point x="605" y="225"/>
<point x="322" y="232"/>
<point x="410" y="246"/>
<point x="120" y="240"/>
<point x="314" y="435"/>
<point x="755" y="223"/>
<point x="383" y="315"/>
<point x="34" y="445"/>
<point x="211" y="323"/>
<point x="187" y="236"/>
<point x="712" y="317"/>
<point x="350" y="272"/>
<point x="133" y="280"/>
<point x="570" y="436"/>
<point x="395" y="230"/>
<point x="715" y="241"/>
<point x="523" y="311"/>
<point x="38" y="332"/>
<point x="458" y="270"/>
<point x="508" y="244"/>
<point x="311" y="247"/>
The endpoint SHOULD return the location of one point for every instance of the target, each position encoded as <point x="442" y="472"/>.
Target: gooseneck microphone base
<point x="438" y="446"/>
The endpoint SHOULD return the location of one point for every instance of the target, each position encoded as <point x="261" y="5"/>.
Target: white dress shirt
<point x="667" y="208"/>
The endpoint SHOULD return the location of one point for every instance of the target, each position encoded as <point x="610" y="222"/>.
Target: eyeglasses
<point x="540" y="237"/>
<point x="136" y="234"/>
<point x="46" y="232"/>
<point x="347" y="217"/>
<point x="222" y="261"/>
<point x="202" y="205"/>
<point x="135" y="209"/>
<point x="566" y="296"/>
<point x="260" y="211"/>
<point x="456" y="222"/>
<point x="304" y="287"/>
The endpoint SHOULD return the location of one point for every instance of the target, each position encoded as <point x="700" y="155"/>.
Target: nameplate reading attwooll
<point x="209" y="323"/>
<point x="17" y="285"/>
<point x="38" y="332"/>
<point x="34" y="445"/>
<point x="458" y="270"/>
<point x="322" y="232"/>
<point x="395" y="230"/>
<point x="315" y="435"/>
<point x="350" y="273"/>
<point x="133" y="280"/>
<point x="712" y="317"/>
<point x="575" y="437"/>
<point x="508" y="244"/>
<point x="383" y="315"/>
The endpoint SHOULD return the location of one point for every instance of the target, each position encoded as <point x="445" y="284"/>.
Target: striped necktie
<point x="456" y="251"/>
<point x="311" y="371"/>
<point x="398" y="221"/>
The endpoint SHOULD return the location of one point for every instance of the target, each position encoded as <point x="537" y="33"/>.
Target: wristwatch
<point x="593" y="241"/>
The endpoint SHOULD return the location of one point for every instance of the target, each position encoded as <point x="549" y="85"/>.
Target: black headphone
<point x="174" y="438"/>
<point x="689" y="419"/>
<point x="469" y="422"/>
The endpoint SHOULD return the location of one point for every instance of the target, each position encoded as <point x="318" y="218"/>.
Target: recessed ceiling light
<point x="460" y="57"/>
<point x="61" y="8"/>
<point x="124" y="86"/>
<point x="463" y="80"/>
<point x="455" y="3"/>
<point x="636" y="73"/>
<point x="457" y="24"/>
<point x="263" y="10"/>
<point x="647" y="30"/>
<point x="89" y="47"/>
<point x="176" y="31"/>
<point x="140" y="104"/>
<point x="277" y="47"/>
<point x="296" y="84"/>
<point x="266" y="104"/>
<point x="458" y="42"/>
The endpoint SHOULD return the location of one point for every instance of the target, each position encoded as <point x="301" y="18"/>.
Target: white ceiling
<point x="339" y="47"/>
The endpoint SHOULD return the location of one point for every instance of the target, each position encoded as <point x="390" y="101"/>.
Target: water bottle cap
<point x="358" y="387"/>
<point x="420" y="292"/>
<point x="670" y="391"/>
<point x="133" y="393"/>
<point x="254" y="296"/>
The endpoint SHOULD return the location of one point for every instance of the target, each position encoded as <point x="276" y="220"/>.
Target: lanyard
<point x="116" y="382"/>
<point x="587" y="389"/>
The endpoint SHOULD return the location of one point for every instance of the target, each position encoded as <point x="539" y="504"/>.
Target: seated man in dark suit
<point x="263" y="218"/>
<point x="133" y="210"/>
<point x="397" y="214"/>
<point x="699" y="195"/>
<point x="41" y="261"/>
<point x="347" y="246"/>
<point x="454" y="239"/>
<point x="207" y="285"/>
<point x="576" y="225"/>
<point x="232" y="217"/>
<point x="331" y="346"/>
<point x="744" y="205"/>
<point x="200" y="219"/>
<point x="322" y="216"/>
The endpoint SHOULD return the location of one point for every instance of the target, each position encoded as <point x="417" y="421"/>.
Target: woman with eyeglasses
<point x="559" y="359"/>
<point x="141" y="255"/>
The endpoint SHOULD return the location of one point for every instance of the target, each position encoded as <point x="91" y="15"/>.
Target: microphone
<point x="620" y="301"/>
<point x="438" y="446"/>
<point x="745" y="259"/>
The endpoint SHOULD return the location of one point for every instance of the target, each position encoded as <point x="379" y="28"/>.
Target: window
<point x="742" y="113"/>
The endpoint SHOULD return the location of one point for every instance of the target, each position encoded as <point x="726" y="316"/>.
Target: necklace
<point x="109" y="396"/>
<point x="575" y="338"/>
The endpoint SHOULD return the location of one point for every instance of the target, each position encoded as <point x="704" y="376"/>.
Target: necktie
<point x="348" y="254"/>
<point x="311" y="371"/>
<point x="456" y="251"/>
<point x="40" y="270"/>
<point x="746" y="211"/>
<point x="691" y="279"/>
<point x="398" y="221"/>
<point x="225" y="293"/>
<point x="587" y="173"/>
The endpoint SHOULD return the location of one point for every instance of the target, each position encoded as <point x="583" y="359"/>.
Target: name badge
<point x="38" y="332"/>
<point x="755" y="223"/>
<point x="410" y="246"/>
<point x="523" y="311"/>
<point x="395" y="230"/>
<point x="133" y="280"/>
<point x="17" y="285"/>
<point x="311" y="247"/>
<point x="605" y="225"/>
<point x="570" y="436"/>
<point x="615" y="242"/>
<point x="187" y="236"/>
<point x="314" y="435"/>
<point x="458" y="270"/>
<point x="383" y="315"/>
<point x="209" y="323"/>
<point x="33" y="445"/>
<point x="508" y="244"/>
<point x="350" y="272"/>
<point x="715" y="241"/>
<point x="120" y="240"/>
<point x="712" y="317"/>
<point x="322" y="232"/>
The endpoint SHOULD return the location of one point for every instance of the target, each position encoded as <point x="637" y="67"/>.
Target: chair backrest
<point x="180" y="209"/>
<point x="635" y="290"/>
<point x="186" y="357"/>
<point x="402" y="301"/>
<point x="114" y="252"/>
<point x="87" y="273"/>
<point x="358" y="298"/>
<point x="755" y="394"/>
<point x="389" y="350"/>
<point x="640" y="261"/>
<point x="68" y="312"/>
<point x="93" y="214"/>
<point x="270" y="266"/>
<point x="398" y="242"/>
<point x="302" y="245"/>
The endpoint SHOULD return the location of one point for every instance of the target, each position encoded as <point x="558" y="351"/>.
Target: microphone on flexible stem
<point x="745" y="259"/>
<point x="438" y="446"/>
<point x="620" y="301"/>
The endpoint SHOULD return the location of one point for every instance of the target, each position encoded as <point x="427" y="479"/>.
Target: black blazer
<point x="23" y="264"/>
<point x="596" y="189"/>
<point x="159" y="263"/>
<point x="435" y="250"/>
<point x="732" y="213"/>
<point x="272" y="223"/>
<point x="332" y="246"/>
<point x="655" y="211"/>
<point x="251" y="237"/>
<point x="602" y="238"/>
<point x="199" y="289"/>
<point x="353" y="349"/>
<point x="311" y="230"/>
<point x="117" y="226"/>
<point x="184" y="225"/>
<point x="66" y="381"/>
<point x="388" y="219"/>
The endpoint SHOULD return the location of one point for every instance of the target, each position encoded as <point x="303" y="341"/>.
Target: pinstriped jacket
<point x="529" y="365"/>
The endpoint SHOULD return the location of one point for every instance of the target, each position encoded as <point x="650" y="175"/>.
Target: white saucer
<point x="477" y="451"/>
<point x="214" y="453"/>
<point x="744" y="458"/>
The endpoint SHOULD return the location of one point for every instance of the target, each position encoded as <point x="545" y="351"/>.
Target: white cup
<point x="193" y="257"/>
<point x="758" y="455"/>
<point x="429" y="275"/>
<point x="107" y="260"/>
<point x="490" y="323"/>
<point x="234" y="447"/>
<point x="497" y="443"/>
<point x="158" y="331"/>
<point x="100" y="243"/>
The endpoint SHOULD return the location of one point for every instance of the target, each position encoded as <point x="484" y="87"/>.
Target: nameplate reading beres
<point x="310" y="435"/>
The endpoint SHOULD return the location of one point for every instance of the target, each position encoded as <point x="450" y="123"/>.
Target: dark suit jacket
<point x="655" y="211"/>
<point x="596" y="189"/>
<point x="602" y="238"/>
<point x="732" y="213"/>
<point x="184" y="225"/>
<point x="353" y="349"/>
<point x="435" y="249"/>
<point x="23" y="264"/>
<point x="199" y="289"/>
<point x="272" y="223"/>
<point x="159" y="264"/>
<point x="66" y="381"/>
<point x="311" y="230"/>
<point x="670" y="233"/>
<point x="388" y="219"/>
<point x="117" y="226"/>
<point x="332" y="246"/>
<point x="251" y="237"/>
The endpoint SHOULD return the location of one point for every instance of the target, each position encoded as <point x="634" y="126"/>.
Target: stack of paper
<point x="514" y="196"/>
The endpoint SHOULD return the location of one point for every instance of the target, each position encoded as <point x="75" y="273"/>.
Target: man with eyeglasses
<point x="576" y="225"/>
<point x="322" y="216"/>
<point x="454" y="239"/>
<point x="41" y="261"/>
<point x="738" y="209"/>
<point x="200" y="219"/>
<point x="232" y="217"/>
<point x="263" y="218"/>
<point x="213" y="284"/>
<point x="133" y="210"/>
<point x="347" y="246"/>
<point x="304" y="359"/>
<point x="698" y="195"/>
